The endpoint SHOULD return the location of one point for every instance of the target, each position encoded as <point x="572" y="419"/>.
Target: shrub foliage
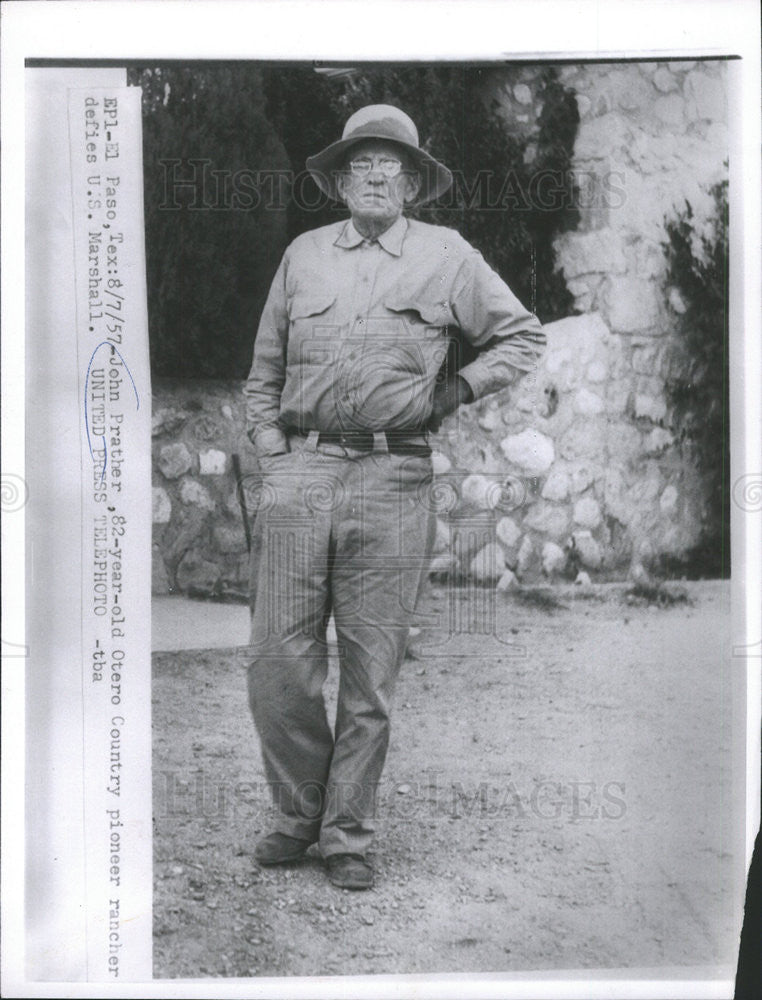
<point x="699" y="388"/>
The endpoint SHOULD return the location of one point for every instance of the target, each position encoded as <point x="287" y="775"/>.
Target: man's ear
<point x="412" y="187"/>
<point x="341" y="181"/>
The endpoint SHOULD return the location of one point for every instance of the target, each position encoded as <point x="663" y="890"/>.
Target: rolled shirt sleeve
<point x="268" y="371"/>
<point x="491" y="317"/>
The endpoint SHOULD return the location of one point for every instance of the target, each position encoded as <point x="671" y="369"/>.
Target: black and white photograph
<point x="483" y="540"/>
<point x="396" y="489"/>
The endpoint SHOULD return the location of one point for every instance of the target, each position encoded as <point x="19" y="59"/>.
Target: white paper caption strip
<point x="114" y="391"/>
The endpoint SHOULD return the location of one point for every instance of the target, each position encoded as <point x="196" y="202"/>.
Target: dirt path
<point x="556" y="796"/>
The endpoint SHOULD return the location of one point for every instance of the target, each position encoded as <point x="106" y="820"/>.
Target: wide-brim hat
<point x="379" y="121"/>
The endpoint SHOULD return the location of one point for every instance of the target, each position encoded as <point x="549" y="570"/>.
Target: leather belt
<point x="397" y="442"/>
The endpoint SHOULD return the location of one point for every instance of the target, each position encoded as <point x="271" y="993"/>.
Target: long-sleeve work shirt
<point x="355" y="332"/>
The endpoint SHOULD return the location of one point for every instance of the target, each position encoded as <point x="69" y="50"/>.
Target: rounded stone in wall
<point x="618" y="395"/>
<point x="632" y="304"/>
<point x="599" y="251"/>
<point x="624" y="440"/>
<point x="522" y="93"/>
<point x="671" y="111"/>
<point x="583" y="291"/>
<point x="665" y="81"/>
<point x="644" y="491"/>
<point x="205" y="427"/>
<point x="583" y="104"/>
<point x="649" y="408"/>
<point x="676" y="301"/>
<point x="212" y="462"/>
<point x="526" y="556"/>
<point x="596" y="371"/>
<point x="657" y="441"/>
<point x="582" y="476"/>
<point x="196" y="575"/>
<point x="588" y="403"/>
<point x="174" y="460"/>
<point x="705" y="96"/>
<point x="603" y="132"/>
<point x="488" y="565"/>
<point x="587" y="549"/>
<point x="587" y="512"/>
<point x="668" y="500"/>
<point x="556" y="486"/>
<point x="584" y="439"/>
<point x="478" y="491"/>
<point x="161" y="506"/>
<point x="717" y="138"/>
<point x="440" y="463"/>
<point x="166" y="420"/>
<point x="645" y="359"/>
<point x="530" y="450"/>
<point x="507" y="531"/>
<point x="229" y="538"/>
<point x="489" y="420"/>
<point x="194" y="494"/>
<point x="547" y="519"/>
<point x="633" y="92"/>
<point x="553" y="559"/>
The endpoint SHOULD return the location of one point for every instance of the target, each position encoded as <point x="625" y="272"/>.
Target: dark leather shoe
<point x="278" y="848"/>
<point x="349" y="871"/>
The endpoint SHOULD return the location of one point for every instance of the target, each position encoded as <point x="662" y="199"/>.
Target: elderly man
<point x="350" y="375"/>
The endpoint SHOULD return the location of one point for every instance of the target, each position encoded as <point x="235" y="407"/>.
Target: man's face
<point x="368" y="188"/>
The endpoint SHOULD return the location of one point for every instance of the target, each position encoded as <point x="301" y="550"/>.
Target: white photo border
<point x="554" y="30"/>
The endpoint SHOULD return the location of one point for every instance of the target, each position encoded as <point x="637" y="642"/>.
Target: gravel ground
<point x="557" y="795"/>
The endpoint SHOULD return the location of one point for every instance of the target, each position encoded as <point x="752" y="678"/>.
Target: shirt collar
<point x="391" y="240"/>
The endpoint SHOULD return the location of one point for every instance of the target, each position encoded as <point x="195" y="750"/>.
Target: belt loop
<point x="380" y="442"/>
<point x="312" y="441"/>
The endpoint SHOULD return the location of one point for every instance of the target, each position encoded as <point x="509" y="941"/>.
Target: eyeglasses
<point x="386" y="165"/>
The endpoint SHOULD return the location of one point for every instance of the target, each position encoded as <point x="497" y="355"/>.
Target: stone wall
<point x="653" y="136"/>
<point x="199" y="544"/>
<point x="575" y="478"/>
<point x="658" y="132"/>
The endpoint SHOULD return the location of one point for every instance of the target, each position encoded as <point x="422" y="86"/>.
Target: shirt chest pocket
<point x="312" y="326"/>
<point x="306" y="303"/>
<point x="420" y="312"/>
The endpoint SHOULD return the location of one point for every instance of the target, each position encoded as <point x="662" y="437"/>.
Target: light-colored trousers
<point x="350" y="533"/>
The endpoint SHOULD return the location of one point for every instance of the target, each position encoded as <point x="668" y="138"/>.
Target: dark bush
<point x="699" y="386"/>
